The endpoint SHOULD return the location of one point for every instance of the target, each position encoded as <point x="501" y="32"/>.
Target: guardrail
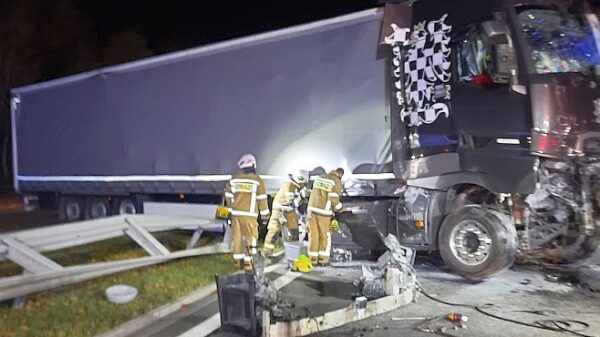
<point x="40" y="273"/>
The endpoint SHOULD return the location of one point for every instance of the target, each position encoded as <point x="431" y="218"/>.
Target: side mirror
<point x="497" y="36"/>
<point x="496" y="32"/>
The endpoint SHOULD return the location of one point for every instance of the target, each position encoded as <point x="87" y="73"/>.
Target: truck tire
<point x="477" y="242"/>
<point x="96" y="208"/>
<point x="125" y="205"/>
<point x="71" y="208"/>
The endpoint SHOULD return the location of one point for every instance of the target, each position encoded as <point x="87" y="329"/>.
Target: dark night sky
<point x="191" y="23"/>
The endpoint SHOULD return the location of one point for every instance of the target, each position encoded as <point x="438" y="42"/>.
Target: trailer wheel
<point x="96" y="208"/>
<point x="125" y="206"/>
<point x="477" y="242"/>
<point x="71" y="208"/>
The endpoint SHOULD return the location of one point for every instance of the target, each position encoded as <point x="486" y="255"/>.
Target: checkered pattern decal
<point x="426" y="70"/>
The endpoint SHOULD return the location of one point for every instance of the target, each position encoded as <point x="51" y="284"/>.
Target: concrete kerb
<point x="139" y="323"/>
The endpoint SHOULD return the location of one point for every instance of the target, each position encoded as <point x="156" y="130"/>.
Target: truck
<point x="466" y="128"/>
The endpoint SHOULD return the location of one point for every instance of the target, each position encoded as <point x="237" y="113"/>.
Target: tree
<point x="38" y="40"/>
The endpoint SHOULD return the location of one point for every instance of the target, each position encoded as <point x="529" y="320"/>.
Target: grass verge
<point x="83" y="309"/>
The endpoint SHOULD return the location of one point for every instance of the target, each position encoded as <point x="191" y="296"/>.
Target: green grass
<point x="119" y="248"/>
<point x="83" y="309"/>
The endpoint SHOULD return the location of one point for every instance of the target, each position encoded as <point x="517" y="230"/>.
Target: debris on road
<point x="392" y="273"/>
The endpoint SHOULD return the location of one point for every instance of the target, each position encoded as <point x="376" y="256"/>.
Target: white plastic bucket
<point x="291" y="250"/>
<point x="121" y="293"/>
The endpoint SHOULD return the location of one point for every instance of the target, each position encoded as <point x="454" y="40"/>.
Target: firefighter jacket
<point x="325" y="196"/>
<point x="288" y="196"/>
<point x="245" y="196"/>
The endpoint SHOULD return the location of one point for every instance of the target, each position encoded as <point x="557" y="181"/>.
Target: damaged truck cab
<point x="495" y="129"/>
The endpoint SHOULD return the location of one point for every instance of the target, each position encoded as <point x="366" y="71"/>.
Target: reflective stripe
<point x="261" y="197"/>
<point x="253" y="200"/>
<point x="269" y="245"/>
<point x="238" y="256"/>
<point x="333" y="195"/>
<point x="253" y="251"/>
<point x="230" y="210"/>
<point x="242" y="213"/>
<point x="373" y="176"/>
<point x="229" y="195"/>
<point x="326" y="180"/>
<point x="324" y="253"/>
<point x="508" y="141"/>
<point x="265" y="212"/>
<point x="108" y="179"/>
<point x="247" y="259"/>
<point x="313" y="254"/>
<point x="328" y="246"/>
<point x="328" y="205"/>
<point x="244" y="181"/>
<point x="319" y="211"/>
<point x="338" y="206"/>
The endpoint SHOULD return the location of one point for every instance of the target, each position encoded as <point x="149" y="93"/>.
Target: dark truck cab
<point x="495" y="131"/>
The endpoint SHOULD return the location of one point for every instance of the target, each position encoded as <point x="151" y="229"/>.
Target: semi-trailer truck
<point x="468" y="127"/>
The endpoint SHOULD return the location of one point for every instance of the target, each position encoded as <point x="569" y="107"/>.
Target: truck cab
<point x="496" y="111"/>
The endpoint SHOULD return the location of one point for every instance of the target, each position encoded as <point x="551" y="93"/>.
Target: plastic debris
<point x="454" y="317"/>
<point x="339" y="255"/>
<point x="121" y="293"/>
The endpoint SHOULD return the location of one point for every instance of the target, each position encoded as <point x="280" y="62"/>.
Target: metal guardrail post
<point x="194" y="240"/>
<point x="145" y="239"/>
<point x="28" y="258"/>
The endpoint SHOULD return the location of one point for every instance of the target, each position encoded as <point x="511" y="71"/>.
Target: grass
<point x="84" y="311"/>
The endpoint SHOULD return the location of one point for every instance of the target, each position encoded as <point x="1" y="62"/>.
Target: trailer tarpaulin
<point x="300" y="98"/>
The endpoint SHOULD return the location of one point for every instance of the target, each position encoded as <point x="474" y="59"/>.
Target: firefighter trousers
<point x="280" y="218"/>
<point x="319" y="238"/>
<point x="244" y="236"/>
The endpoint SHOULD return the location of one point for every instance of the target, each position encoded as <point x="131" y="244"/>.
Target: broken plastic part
<point x="340" y="255"/>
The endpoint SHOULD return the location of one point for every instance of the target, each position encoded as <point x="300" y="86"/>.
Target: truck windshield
<point x="560" y="42"/>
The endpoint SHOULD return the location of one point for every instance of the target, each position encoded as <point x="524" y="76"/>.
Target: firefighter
<point x="286" y="202"/>
<point x="246" y="199"/>
<point x="323" y="202"/>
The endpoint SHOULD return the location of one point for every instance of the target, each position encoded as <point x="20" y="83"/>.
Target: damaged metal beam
<point x="28" y="258"/>
<point x="145" y="239"/>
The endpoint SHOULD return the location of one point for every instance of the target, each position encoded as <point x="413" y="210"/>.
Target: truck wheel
<point x="96" y="208"/>
<point x="477" y="242"/>
<point x="71" y="208"/>
<point x="125" y="206"/>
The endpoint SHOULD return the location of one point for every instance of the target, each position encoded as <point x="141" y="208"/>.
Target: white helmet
<point x="247" y="161"/>
<point x="300" y="177"/>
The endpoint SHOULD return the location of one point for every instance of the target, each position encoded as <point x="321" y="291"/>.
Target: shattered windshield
<point x="560" y="42"/>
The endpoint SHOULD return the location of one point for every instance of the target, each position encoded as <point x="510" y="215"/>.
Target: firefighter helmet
<point x="300" y="177"/>
<point x="247" y="161"/>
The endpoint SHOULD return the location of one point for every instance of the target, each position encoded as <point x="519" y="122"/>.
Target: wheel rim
<point x="73" y="210"/>
<point x="470" y="243"/>
<point x="99" y="210"/>
<point x="127" y="207"/>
